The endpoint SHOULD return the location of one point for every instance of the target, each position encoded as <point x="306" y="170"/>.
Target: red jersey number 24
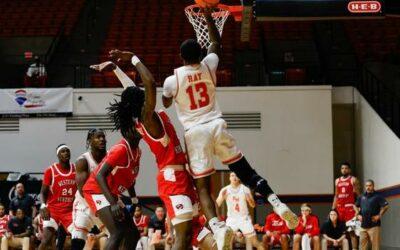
<point x="201" y="89"/>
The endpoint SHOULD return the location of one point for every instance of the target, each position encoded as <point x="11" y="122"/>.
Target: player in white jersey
<point x="193" y="88"/>
<point x="83" y="219"/>
<point x="237" y="196"/>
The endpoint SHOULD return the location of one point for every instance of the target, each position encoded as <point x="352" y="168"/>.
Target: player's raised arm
<point x="149" y="118"/>
<point x="213" y="33"/>
<point x="110" y="66"/>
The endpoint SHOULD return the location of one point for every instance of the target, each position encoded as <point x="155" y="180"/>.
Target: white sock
<point x="274" y="200"/>
<point x="215" y="224"/>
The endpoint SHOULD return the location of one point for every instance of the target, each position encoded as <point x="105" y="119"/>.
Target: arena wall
<point x="377" y="157"/>
<point x="293" y="147"/>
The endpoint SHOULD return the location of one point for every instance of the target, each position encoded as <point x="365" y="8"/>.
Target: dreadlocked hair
<point x="123" y="112"/>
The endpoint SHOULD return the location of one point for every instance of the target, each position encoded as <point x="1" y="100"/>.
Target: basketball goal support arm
<point x="213" y="33"/>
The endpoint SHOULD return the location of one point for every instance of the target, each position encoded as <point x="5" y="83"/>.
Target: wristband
<point x="135" y="60"/>
<point x="43" y="205"/>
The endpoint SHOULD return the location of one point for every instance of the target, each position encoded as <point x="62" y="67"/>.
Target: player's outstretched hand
<point x="121" y="56"/>
<point x="105" y="66"/>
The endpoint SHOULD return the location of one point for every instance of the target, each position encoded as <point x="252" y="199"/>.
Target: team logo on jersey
<point x="98" y="202"/>
<point x="179" y="206"/>
<point x="28" y="100"/>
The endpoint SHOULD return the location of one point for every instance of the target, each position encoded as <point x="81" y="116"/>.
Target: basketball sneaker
<point x="287" y="215"/>
<point x="224" y="237"/>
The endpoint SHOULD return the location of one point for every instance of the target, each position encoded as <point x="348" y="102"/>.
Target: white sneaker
<point x="224" y="238"/>
<point x="287" y="215"/>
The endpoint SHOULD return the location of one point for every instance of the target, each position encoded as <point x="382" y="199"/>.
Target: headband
<point x="61" y="147"/>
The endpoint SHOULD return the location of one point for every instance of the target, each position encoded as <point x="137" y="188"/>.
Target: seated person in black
<point x="334" y="232"/>
<point x="19" y="231"/>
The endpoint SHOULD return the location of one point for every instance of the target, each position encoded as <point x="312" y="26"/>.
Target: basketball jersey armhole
<point x="149" y="135"/>
<point x="209" y="72"/>
<point x="177" y="83"/>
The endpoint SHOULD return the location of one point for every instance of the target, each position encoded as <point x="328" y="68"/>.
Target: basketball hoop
<point x="196" y="18"/>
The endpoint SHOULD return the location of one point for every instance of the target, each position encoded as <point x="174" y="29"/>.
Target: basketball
<point x="207" y="3"/>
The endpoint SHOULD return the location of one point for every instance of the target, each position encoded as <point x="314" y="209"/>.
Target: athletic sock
<point x="250" y="178"/>
<point x="274" y="200"/>
<point x="215" y="224"/>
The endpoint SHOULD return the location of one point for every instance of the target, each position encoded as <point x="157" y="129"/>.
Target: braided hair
<point x="124" y="112"/>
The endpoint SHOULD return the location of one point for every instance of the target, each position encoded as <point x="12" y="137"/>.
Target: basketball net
<point x="199" y="22"/>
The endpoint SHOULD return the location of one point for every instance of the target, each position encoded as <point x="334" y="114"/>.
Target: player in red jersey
<point x="113" y="177"/>
<point x="276" y="232"/>
<point x="175" y="186"/>
<point x="347" y="188"/>
<point x="307" y="232"/>
<point x="142" y="223"/>
<point x="57" y="195"/>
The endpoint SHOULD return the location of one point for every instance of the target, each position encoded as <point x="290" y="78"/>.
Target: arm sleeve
<point x="170" y="86"/>
<point x="117" y="156"/>
<point x="47" y="178"/>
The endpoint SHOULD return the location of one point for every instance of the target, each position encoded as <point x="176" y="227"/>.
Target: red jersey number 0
<point x="201" y="89"/>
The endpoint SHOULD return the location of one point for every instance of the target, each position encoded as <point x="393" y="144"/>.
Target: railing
<point x="382" y="98"/>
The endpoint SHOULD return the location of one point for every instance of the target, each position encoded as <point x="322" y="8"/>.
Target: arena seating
<point x="154" y="30"/>
<point x="39" y="17"/>
<point x="374" y="39"/>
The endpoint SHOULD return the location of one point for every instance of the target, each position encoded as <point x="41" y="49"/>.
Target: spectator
<point x="142" y="223"/>
<point x="98" y="239"/>
<point x="157" y="230"/>
<point x="20" y="228"/>
<point x="22" y="201"/>
<point x="4" y="219"/>
<point x="276" y="232"/>
<point x="307" y="232"/>
<point x="371" y="206"/>
<point x="334" y="232"/>
<point x="36" y="76"/>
